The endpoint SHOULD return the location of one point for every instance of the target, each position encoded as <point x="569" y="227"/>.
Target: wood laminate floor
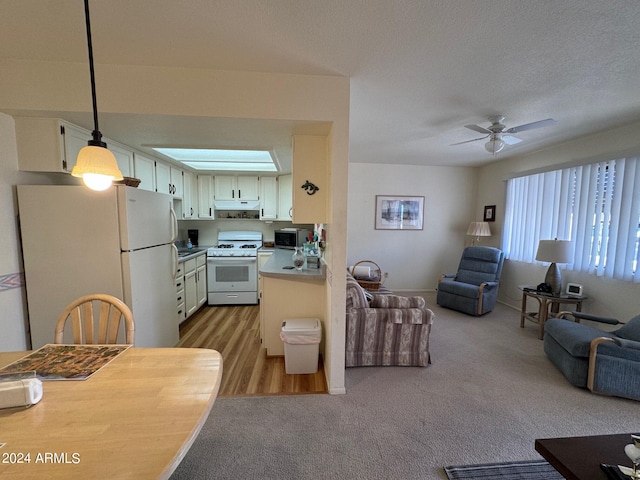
<point x="234" y="331"/>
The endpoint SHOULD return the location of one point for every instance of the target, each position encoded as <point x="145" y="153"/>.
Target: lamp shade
<point x="479" y="229"/>
<point x="97" y="166"/>
<point x="555" y="251"/>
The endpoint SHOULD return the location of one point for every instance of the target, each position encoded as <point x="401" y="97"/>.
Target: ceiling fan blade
<point x="510" y="139"/>
<point x="531" y="126"/>
<point x="469" y="141"/>
<point x="478" y="128"/>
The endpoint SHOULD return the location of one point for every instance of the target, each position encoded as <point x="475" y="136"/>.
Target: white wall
<point x="414" y="259"/>
<point x="607" y="297"/>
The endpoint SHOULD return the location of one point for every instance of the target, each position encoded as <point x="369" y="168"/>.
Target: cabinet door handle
<point x="239" y="193"/>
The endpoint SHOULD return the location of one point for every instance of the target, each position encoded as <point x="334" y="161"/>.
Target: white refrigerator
<point x="76" y="241"/>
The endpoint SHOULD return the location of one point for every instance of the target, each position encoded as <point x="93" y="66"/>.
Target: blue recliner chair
<point x="474" y="289"/>
<point x="604" y="362"/>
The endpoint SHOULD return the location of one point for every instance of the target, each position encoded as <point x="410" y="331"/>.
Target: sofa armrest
<point x="446" y="276"/>
<point x="621" y="342"/>
<point x="486" y="286"/>
<point x="577" y="316"/>
<point x="624" y="343"/>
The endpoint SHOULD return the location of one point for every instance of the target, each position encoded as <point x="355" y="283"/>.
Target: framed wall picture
<point x="489" y="213"/>
<point x="399" y="213"/>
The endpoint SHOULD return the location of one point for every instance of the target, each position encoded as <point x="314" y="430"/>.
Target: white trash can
<point x="301" y="337"/>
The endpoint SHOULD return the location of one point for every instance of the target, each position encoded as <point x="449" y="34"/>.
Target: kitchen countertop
<point x="185" y="254"/>
<point x="274" y="267"/>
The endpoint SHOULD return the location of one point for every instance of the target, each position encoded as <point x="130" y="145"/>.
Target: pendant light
<point x="95" y="163"/>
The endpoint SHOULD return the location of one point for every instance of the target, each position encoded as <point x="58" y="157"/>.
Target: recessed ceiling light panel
<point x="222" y="159"/>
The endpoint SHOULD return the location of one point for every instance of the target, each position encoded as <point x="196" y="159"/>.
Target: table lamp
<point x="477" y="230"/>
<point x="554" y="251"/>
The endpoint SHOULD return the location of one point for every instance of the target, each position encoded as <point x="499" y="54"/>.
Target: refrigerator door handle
<point x="175" y="259"/>
<point x="174" y="224"/>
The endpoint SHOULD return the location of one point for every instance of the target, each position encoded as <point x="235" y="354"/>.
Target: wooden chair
<point x="81" y="313"/>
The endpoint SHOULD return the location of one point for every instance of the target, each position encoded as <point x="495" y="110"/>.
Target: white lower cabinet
<point x="201" y="280"/>
<point x="190" y="290"/>
<point x="194" y="284"/>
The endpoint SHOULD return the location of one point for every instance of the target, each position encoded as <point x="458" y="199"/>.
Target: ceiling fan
<point x="499" y="135"/>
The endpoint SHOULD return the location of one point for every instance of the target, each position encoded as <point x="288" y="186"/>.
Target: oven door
<point x="232" y="274"/>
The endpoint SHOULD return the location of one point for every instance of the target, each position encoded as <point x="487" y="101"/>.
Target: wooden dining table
<point x="135" y="418"/>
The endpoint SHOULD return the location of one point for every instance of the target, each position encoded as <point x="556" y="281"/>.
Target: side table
<point x="547" y="303"/>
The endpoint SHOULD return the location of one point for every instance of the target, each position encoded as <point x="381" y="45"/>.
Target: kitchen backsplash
<point x="208" y="230"/>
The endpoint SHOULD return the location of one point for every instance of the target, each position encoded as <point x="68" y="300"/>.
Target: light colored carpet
<point x="488" y="395"/>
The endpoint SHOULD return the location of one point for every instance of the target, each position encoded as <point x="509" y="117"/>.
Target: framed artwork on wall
<point x="489" y="213"/>
<point x="399" y="212"/>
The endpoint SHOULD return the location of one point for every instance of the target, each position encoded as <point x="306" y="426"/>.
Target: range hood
<point x="243" y="205"/>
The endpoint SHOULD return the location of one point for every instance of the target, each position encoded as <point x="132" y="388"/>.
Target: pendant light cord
<point x="97" y="136"/>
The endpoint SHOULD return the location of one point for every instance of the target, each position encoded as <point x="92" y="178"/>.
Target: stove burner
<point x="225" y="245"/>
<point x="253" y="245"/>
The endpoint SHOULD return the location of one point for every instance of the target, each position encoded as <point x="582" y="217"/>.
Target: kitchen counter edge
<point x="274" y="267"/>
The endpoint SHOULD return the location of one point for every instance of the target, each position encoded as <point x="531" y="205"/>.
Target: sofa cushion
<point x="574" y="337"/>
<point x="395" y="301"/>
<point x="479" y="265"/>
<point x="462" y="289"/>
<point x="630" y="331"/>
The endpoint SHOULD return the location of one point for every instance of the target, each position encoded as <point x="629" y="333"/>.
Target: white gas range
<point x="232" y="268"/>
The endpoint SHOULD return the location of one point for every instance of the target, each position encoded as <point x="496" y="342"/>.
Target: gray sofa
<point x="386" y="329"/>
<point x="474" y="288"/>
<point x="605" y="362"/>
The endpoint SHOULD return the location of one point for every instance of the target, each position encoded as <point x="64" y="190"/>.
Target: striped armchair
<point x="387" y="330"/>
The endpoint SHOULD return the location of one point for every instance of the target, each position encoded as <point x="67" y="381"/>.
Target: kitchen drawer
<point x="180" y="270"/>
<point x="181" y="313"/>
<point x="190" y="265"/>
<point x="180" y="295"/>
<point x="201" y="260"/>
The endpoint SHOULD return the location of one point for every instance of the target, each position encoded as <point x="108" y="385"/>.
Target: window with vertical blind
<point x="597" y="206"/>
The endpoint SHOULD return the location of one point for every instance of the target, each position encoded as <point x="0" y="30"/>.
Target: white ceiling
<point x="420" y="69"/>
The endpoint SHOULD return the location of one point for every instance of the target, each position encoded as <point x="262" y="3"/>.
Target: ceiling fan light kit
<point x="499" y="135"/>
<point x="494" y="145"/>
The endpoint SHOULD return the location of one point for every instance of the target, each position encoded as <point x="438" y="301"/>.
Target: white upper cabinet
<point x="268" y="198"/>
<point x="48" y="144"/>
<point x="285" y="198"/>
<point x="187" y="197"/>
<point x="205" y="197"/>
<point x="52" y="145"/>
<point x="177" y="182"/>
<point x="163" y="178"/>
<point x="145" y="171"/>
<point x="124" y="158"/>
<point x="241" y="187"/>
<point x="169" y="180"/>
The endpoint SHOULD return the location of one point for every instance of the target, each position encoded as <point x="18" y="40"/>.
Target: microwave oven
<point x="290" y="238"/>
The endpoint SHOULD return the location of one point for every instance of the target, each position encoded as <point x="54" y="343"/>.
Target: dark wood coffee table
<point x="579" y="458"/>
